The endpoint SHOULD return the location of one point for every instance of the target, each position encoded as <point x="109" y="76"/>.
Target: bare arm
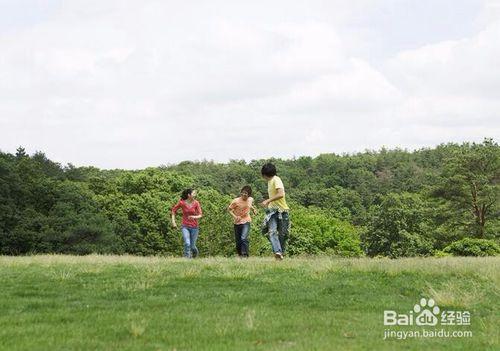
<point x="199" y="215"/>
<point x="280" y="193"/>
<point x="254" y="210"/>
<point x="231" y="209"/>
<point x="174" y="224"/>
<point x="231" y="212"/>
<point x="252" y="207"/>
<point x="173" y="213"/>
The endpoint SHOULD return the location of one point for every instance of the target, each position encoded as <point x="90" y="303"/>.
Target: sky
<point x="133" y="84"/>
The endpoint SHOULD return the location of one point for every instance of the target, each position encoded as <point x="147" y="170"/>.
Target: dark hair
<point x="268" y="170"/>
<point x="247" y="189"/>
<point x="186" y="193"/>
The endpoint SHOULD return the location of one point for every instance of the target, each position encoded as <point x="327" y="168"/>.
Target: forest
<point x="393" y="203"/>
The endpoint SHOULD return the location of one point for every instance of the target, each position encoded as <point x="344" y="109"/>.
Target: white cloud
<point x="452" y="88"/>
<point x="466" y="67"/>
<point x="129" y="84"/>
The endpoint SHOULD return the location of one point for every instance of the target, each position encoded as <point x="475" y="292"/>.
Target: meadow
<point x="56" y="302"/>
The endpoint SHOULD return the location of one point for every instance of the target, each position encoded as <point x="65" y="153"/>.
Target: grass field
<point x="135" y="303"/>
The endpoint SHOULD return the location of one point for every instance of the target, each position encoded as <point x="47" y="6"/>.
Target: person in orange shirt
<point x="240" y="210"/>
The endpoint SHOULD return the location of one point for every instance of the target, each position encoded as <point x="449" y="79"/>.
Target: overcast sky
<point x="132" y="84"/>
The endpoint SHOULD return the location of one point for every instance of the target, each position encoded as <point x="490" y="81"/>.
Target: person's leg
<point x="237" y="238"/>
<point x="273" y="234"/>
<point x="194" y="236"/>
<point x="187" y="241"/>
<point x="245" y="232"/>
<point x="283" y="230"/>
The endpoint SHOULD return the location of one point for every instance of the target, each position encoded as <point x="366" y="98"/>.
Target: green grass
<point x="135" y="303"/>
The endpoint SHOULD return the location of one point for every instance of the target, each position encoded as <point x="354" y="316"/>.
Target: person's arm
<point x="280" y="193"/>
<point x="254" y="210"/>
<point x="231" y="209"/>
<point x="200" y="212"/>
<point x="252" y="207"/>
<point x="174" y="212"/>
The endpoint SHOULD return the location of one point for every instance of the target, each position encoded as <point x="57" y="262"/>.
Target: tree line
<point x="395" y="203"/>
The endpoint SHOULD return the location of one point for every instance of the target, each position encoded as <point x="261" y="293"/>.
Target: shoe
<point x="278" y="256"/>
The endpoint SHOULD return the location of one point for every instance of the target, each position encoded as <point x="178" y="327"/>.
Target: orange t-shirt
<point x="241" y="208"/>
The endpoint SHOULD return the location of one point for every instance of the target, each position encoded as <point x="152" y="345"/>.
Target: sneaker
<point x="278" y="256"/>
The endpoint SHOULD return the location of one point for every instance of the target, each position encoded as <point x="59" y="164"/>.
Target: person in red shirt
<point x="191" y="212"/>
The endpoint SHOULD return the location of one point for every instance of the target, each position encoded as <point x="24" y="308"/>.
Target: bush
<point x="473" y="247"/>
<point x="440" y="254"/>
<point x="315" y="231"/>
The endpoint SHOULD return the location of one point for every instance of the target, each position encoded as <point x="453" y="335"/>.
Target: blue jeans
<point x="278" y="231"/>
<point x="190" y="234"/>
<point x="241" y="232"/>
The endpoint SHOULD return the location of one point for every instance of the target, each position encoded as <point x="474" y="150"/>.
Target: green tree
<point x="398" y="227"/>
<point x="471" y="183"/>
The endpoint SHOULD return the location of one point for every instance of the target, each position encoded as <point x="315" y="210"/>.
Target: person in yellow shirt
<point x="277" y="210"/>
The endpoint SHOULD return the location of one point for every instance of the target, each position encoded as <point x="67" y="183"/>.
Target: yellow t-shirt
<point x="272" y="189"/>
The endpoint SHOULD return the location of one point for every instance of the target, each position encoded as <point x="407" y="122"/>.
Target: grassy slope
<point x="133" y="303"/>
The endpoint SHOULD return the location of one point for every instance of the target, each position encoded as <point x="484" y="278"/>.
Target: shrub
<point x="473" y="247"/>
<point x="315" y="231"/>
<point x="440" y="253"/>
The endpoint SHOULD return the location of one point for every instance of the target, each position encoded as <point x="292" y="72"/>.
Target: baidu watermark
<point x="424" y="315"/>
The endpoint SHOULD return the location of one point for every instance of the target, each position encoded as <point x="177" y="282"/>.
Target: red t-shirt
<point x="192" y="209"/>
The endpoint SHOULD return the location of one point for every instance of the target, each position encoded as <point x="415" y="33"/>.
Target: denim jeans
<point x="241" y="232"/>
<point x="190" y="234"/>
<point x="278" y="231"/>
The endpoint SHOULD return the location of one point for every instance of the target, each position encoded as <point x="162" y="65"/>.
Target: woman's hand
<point x="265" y="203"/>
<point x="172" y="221"/>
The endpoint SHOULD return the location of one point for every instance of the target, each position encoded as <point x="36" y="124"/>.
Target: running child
<point x="191" y="212"/>
<point x="240" y="210"/>
<point x="277" y="219"/>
